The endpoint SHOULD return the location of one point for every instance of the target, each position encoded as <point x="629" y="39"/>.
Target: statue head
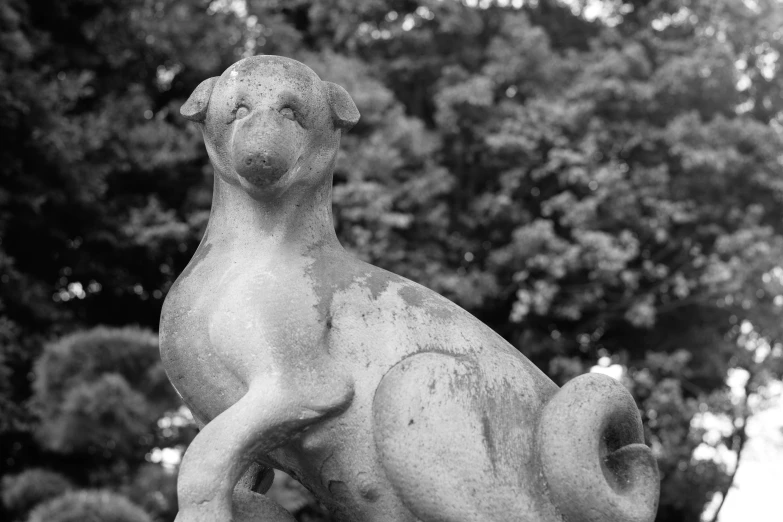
<point x="270" y="122"/>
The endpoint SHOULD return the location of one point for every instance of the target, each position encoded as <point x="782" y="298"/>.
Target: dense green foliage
<point x="599" y="181"/>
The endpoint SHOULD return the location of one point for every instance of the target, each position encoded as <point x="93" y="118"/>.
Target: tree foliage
<point x="601" y="182"/>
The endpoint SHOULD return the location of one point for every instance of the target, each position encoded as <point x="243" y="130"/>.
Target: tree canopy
<point x="600" y="181"/>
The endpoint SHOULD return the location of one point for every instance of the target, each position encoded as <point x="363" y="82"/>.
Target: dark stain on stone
<point x="377" y="281"/>
<point x="371" y="494"/>
<point x="412" y="295"/>
<point x="486" y="431"/>
<point x="328" y="275"/>
<point x="333" y="270"/>
<point x="418" y="296"/>
<point x="410" y="422"/>
<point x="337" y="488"/>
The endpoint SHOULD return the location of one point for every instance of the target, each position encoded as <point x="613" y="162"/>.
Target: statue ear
<point x="344" y="111"/>
<point x="195" y="109"/>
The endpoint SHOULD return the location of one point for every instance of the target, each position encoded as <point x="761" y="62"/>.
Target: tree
<point x="101" y="189"/>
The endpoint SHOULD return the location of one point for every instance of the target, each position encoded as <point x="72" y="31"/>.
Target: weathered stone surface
<point x="386" y="400"/>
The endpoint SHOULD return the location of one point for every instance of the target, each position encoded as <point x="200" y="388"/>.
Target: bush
<point x="26" y="490"/>
<point x="81" y="506"/>
<point x="87" y="355"/>
<point x="99" y="393"/>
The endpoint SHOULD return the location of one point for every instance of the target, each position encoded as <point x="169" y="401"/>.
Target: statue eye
<point x="242" y="112"/>
<point x="288" y="112"/>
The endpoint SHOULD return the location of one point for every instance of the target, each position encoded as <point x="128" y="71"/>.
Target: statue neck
<point x="299" y="220"/>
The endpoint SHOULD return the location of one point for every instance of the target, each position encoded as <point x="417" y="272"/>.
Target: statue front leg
<point x="261" y="421"/>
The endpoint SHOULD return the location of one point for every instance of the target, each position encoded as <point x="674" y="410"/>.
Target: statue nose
<point x="263" y="148"/>
<point x="258" y="160"/>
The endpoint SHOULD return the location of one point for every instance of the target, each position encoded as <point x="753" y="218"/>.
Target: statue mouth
<point x="263" y="168"/>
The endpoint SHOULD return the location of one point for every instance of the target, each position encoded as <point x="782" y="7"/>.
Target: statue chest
<point x="230" y="320"/>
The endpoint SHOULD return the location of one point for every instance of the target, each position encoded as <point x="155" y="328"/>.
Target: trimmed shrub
<point x="87" y="355"/>
<point x="82" y="506"/>
<point x="99" y="393"/>
<point x="24" y="491"/>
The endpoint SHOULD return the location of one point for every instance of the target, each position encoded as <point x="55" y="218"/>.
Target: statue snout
<point x="265" y="147"/>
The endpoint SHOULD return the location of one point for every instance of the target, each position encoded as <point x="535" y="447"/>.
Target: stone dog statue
<point x="387" y="401"/>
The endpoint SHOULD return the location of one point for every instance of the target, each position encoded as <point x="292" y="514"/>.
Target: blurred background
<point x="598" y="180"/>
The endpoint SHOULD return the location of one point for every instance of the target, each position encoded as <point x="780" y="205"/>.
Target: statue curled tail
<point x="593" y="455"/>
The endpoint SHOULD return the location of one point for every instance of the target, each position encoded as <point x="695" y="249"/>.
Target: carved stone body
<point x="386" y="400"/>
